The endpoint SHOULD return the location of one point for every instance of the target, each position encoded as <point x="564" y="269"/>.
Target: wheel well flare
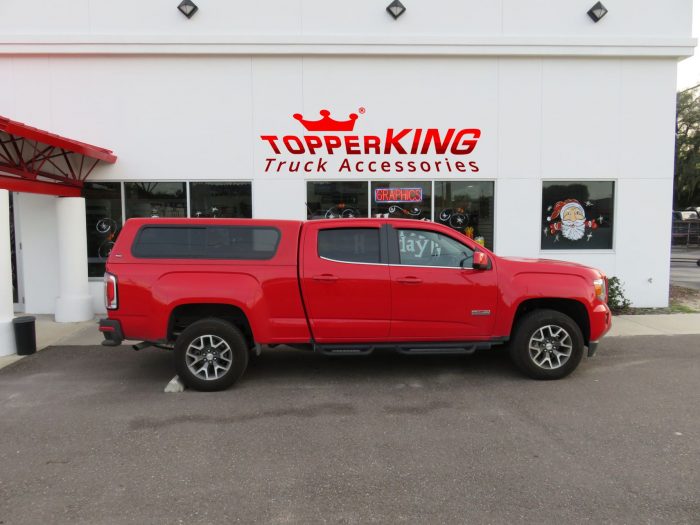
<point x="574" y="309"/>
<point x="185" y="314"/>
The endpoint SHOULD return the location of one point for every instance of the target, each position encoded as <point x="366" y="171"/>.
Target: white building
<point x="505" y="108"/>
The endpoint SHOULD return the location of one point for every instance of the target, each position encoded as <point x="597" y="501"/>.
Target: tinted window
<point x="333" y="200"/>
<point x="220" y="199"/>
<point x="103" y="218"/>
<point x="360" y="245"/>
<point x="155" y="199"/>
<point x="466" y="206"/>
<point x="401" y="199"/>
<point x="425" y="248"/>
<point x="210" y="242"/>
<point x="241" y="243"/>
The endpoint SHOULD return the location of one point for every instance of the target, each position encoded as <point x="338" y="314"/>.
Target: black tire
<point x="231" y="336"/>
<point x="527" y="327"/>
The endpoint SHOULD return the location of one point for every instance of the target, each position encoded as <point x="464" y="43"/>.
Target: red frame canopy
<point x="36" y="161"/>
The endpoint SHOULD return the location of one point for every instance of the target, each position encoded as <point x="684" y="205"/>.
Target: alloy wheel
<point x="209" y="357"/>
<point x="550" y="347"/>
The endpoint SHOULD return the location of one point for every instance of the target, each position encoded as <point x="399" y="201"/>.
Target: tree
<point x="686" y="177"/>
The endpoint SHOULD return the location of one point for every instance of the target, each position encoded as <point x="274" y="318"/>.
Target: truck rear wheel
<point x="210" y="355"/>
<point x="546" y="345"/>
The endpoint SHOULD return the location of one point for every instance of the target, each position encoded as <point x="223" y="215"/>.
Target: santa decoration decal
<point x="568" y="220"/>
<point x="577" y="215"/>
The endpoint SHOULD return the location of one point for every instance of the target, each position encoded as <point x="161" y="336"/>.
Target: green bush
<point x="617" y="301"/>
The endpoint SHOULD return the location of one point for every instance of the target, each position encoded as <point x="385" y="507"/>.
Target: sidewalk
<point x="51" y="333"/>
<point x="655" y="324"/>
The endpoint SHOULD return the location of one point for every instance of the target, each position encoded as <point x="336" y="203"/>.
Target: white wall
<point x="537" y="18"/>
<point x="36" y="230"/>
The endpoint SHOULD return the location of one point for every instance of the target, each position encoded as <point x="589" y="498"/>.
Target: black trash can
<point x="25" y="334"/>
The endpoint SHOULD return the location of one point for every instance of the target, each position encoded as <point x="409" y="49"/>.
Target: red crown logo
<point x="327" y="123"/>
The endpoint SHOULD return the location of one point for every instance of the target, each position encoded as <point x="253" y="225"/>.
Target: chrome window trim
<point x="397" y="265"/>
<point x="352" y="262"/>
<point x="426" y="266"/>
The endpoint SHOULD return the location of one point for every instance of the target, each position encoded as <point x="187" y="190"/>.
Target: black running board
<point x="465" y="348"/>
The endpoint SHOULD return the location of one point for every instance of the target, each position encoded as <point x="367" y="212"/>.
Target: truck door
<point x="345" y="284"/>
<point x="436" y="294"/>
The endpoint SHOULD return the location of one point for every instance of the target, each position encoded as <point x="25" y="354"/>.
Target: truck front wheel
<point x="210" y="355"/>
<point x="546" y="345"/>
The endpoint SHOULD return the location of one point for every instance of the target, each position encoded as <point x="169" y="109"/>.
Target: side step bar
<point x="403" y="348"/>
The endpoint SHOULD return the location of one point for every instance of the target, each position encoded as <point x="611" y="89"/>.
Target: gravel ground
<point x="88" y="436"/>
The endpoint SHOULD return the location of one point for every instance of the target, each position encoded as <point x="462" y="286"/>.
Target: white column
<point x="73" y="302"/>
<point x="7" y="335"/>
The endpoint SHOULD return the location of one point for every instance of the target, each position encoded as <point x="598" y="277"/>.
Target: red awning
<point x="36" y="161"/>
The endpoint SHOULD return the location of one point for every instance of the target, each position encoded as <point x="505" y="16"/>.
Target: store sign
<point x="333" y="146"/>
<point x="398" y="195"/>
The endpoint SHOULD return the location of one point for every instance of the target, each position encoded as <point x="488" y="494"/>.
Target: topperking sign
<point x="335" y="147"/>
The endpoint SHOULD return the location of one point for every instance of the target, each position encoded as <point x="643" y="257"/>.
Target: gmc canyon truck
<point x="215" y="290"/>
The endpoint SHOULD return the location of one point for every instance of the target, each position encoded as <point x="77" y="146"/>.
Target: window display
<point x="401" y="199"/>
<point x="103" y="206"/>
<point x="466" y="206"/>
<point x="155" y="199"/>
<point x="332" y="200"/>
<point x="577" y="215"/>
<point x="220" y="199"/>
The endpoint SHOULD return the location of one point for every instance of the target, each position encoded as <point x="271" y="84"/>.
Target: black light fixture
<point x="396" y="9"/>
<point x="597" y="12"/>
<point x="188" y="8"/>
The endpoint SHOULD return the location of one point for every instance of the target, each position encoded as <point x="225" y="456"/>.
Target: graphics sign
<point x="398" y="195"/>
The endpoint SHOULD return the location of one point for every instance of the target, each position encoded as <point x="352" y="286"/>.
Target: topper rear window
<point x="206" y="242"/>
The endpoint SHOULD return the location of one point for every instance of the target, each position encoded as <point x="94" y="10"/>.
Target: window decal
<point x="577" y="215"/>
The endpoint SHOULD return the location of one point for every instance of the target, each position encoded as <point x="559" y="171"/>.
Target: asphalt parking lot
<point x="88" y="436"/>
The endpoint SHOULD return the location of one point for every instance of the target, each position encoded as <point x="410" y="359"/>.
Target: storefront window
<point x="466" y="206"/>
<point x="155" y="199"/>
<point x="220" y="199"/>
<point x="103" y="206"/>
<point x="401" y="199"/>
<point x="331" y="200"/>
<point x="577" y="215"/>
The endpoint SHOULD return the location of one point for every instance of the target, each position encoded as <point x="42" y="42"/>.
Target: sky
<point x="689" y="69"/>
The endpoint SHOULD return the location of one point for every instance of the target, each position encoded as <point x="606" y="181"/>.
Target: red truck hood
<point x="550" y="266"/>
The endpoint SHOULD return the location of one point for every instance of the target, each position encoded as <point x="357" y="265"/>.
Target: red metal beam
<point x="34" y="186"/>
<point x="23" y="172"/>
<point x="19" y="129"/>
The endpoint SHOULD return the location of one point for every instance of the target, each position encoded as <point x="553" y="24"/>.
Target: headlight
<point x="600" y="291"/>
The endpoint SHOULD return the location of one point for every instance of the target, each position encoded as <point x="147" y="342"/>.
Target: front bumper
<point x="601" y="321"/>
<point x="112" y="331"/>
<point x="592" y="347"/>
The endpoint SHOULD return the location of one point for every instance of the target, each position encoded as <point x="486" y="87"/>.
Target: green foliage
<point x="617" y="301"/>
<point x="686" y="177"/>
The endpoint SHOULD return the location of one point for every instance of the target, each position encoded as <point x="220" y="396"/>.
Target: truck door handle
<point x="409" y="280"/>
<point x="326" y="277"/>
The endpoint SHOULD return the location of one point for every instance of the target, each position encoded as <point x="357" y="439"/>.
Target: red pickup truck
<point x="215" y="290"/>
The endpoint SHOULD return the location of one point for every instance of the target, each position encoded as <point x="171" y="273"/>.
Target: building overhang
<point x="678" y="47"/>
<point x="36" y="161"/>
